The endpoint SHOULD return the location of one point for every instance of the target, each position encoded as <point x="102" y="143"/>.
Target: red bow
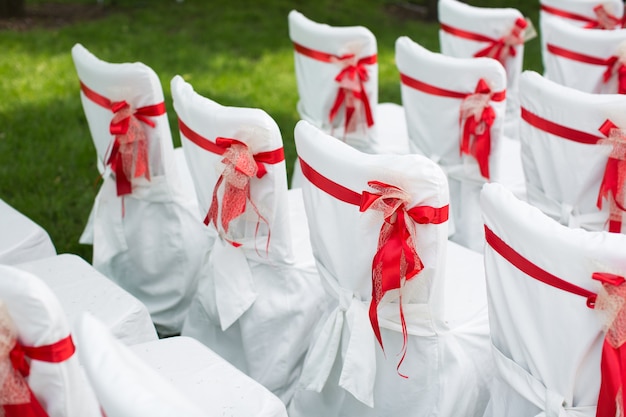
<point x="615" y="64"/>
<point x="612" y="299"/>
<point x="240" y="166"/>
<point x="504" y="47"/>
<point x="612" y="185"/>
<point x="351" y="91"/>
<point x="129" y="153"/>
<point x="477" y="117"/>
<point x="396" y="259"/>
<point x="604" y="19"/>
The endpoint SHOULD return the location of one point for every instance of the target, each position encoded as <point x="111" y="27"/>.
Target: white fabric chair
<point x="43" y="336"/>
<point x="260" y="294"/>
<point x="587" y="60"/>
<point x="81" y="288"/>
<point x="446" y="360"/>
<point x="326" y="57"/>
<point x="175" y="376"/>
<point x="22" y="239"/>
<point x="567" y="146"/>
<point x="468" y="31"/>
<point x="146" y="233"/>
<point x="590" y="14"/>
<point x="442" y="97"/>
<point x="547" y="343"/>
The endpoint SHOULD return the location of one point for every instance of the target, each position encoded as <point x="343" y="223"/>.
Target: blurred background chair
<point x="22" y="239"/>
<point x="146" y="232"/>
<point x="425" y="295"/>
<point x="548" y="343"/>
<point x="499" y="33"/>
<point x="41" y="350"/>
<point x="172" y="376"/>
<point x="572" y="153"/>
<point x="259" y="295"/>
<point x="455" y="111"/>
<point x="587" y="60"/>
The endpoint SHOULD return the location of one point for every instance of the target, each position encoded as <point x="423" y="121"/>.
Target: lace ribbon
<point x="477" y="117"/>
<point x="603" y="20"/>
<point x="351" y="93"/>
<point x="128" y="154"/>
<point x="16" y="398"/>
<point x="612" y="185"/>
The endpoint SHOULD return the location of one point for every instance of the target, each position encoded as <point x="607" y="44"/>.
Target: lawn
<point x="235" y="52"/>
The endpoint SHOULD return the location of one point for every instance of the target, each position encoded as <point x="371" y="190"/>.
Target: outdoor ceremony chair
<point x="573" y="153"/>
<point x="499" y="33"/>
<point x="80" y="288"/>
<point x="587" y="60"/>
<point x="337" y="76"/>
<point x="552" y="291"/>
<point x="259" y="294"/>
<point x="21" y="239"/>
<point x="589" y="14"/>
<point x="405" y="332"/>
<point x="39" y="371"/>
<point x="176" y="376"/>
<point x="455" y="111"/>
<point x="146" y="233"/>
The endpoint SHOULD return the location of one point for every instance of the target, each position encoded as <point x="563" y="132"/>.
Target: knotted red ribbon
<point x="603" y="20"/>
<point x="612" y="185"/>
<point x="501" y="48"/>
<point x="128" y="154"/>
<point x="396" y="260"/>
<point x="477" y="117"/>
<point x="351" y="93"/>
<point x="16" y="398"/>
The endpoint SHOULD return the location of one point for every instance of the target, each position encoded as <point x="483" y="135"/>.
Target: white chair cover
<point x="260" y="279"/>
<point x="593" y="14"/>
<point x="150" y="241"/>
<point x="81" y="288"/>
<point x="492" y="23"/>
<point x="436" y="91"/>
<point x="581" y="58"/>
<point x="317" y="51"/>
<point x="21" y="239"/>
<point x="447" y="357"/>
<point x="546" y="342"/>
<point x="58" y="384"/>
<point x="564" y="152"/>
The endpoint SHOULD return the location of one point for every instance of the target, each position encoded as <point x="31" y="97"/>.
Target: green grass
<point x="235" y="52"/>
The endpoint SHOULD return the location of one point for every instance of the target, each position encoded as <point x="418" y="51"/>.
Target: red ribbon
<point x="351" y="79"/>
<point x="396" y="259"/>
<point x="603" y="20"/>
<point x="128" y="155"/>
<point x="19" y="355"/>
<point x="613" y="362"/>
<point x="500" y="48"/>
<point x="612" y="185"/>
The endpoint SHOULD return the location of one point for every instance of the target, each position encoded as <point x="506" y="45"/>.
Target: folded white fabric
<point x="22" y="239"/>
<point x="44" y="351"/>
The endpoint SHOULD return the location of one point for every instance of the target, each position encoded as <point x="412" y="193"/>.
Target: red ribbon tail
<point x="30" y="409"/>
<point x="124" y="185"/>
<point x="373" y="313"/>
<point x="613" y="378"/>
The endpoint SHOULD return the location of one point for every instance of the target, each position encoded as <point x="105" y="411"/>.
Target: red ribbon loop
<point x="477" y="117"/>
<point x="396" y="259"/>
<point x="613" y="181"/>
<point x="604" y="19"/>
<point x="505" y="46"/>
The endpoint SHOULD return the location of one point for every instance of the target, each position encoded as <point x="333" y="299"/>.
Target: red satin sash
<point x="351" y="79"/>
<point x="128" y="156"/>
<point x="613" y="363"/>
<point x="500" y="48"/>
<point x="612" y="182"/>
<point x="241" y="166"/>
<point x="20" y="355"/>
<point x="396" y="259"/>
<point x="603" y="20"/>
<point x="476" y="125"/>
<point x="612" y="63"/>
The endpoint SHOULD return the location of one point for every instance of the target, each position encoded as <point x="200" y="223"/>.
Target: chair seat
<point x="21" y="239"/>
<point x="80" y="288"/>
